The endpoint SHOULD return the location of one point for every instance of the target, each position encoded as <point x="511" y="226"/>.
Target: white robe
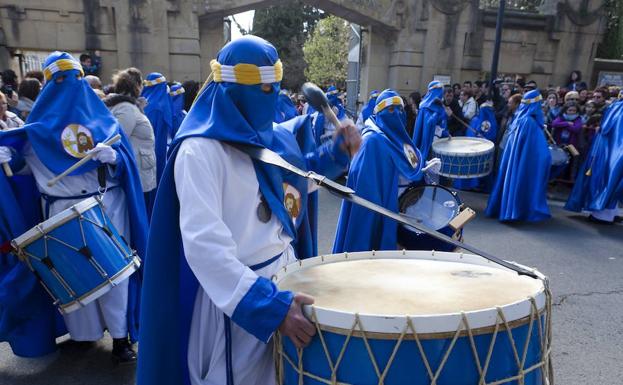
<point x="222" y="235"/>
<point x="109" y="311"/>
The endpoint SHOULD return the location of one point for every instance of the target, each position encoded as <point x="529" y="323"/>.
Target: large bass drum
<point x="417" y="318"/>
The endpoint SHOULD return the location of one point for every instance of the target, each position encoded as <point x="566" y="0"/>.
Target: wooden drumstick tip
<point x="7" y="170"/>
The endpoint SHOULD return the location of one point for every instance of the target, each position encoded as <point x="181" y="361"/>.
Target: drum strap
<point x="51" y="199"/>
<point x="228" y="349"/>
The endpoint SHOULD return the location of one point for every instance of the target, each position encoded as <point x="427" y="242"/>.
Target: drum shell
<point x="112" y="259"/>
<point x="407" y="366"/>
<point x="410" y="240"/>
<point x="465" y="165"/>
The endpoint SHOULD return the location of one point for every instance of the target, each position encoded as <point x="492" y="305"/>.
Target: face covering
<point x="570" y="116"/>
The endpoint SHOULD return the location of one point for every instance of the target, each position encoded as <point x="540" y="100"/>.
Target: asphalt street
<point x="583" y="260"/>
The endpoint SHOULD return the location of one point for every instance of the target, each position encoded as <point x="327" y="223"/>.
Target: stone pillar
<point x="375" y="63"/>
<point x="212" y="39"/>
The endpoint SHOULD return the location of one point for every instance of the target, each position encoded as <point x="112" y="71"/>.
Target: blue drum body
<point x="464" y="157"/>
<point x="78" y="255"/>
<point x="466" y="329"/>
<point x="560" y="161"/>
<point x="433" y="206"/>
<point x="407" y="367"/>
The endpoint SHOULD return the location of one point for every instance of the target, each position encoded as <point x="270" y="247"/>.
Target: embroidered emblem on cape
<point x="77" y="140"/>
<point x="292" y="201"/>
<point x="485" y="126"/>
<point x="410" y="154"/>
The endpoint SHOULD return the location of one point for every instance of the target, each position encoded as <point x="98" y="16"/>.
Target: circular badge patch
<point x="485" y="126"/>
<point x="410" y="154"/>
<point x="77" y="140"/>
<point x="292" y="201"/>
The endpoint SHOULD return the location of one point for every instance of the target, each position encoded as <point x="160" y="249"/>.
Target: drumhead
<point x="55" y="221"/>
<point x="559" y="155"/>
<point x="463" y="145"/>
<point x="432" y="206"/>
<point x="432" y="289"/>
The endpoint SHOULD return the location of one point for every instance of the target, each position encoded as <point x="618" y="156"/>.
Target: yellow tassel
<point x="589" y="172"/>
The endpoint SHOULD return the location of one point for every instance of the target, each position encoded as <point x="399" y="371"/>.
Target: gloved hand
<point x="433" y="166"/>
<point x="5" y="154"/>
<point x="105" y="154"/>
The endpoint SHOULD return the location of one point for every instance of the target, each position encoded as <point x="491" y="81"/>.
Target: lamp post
<point x="496" y="47"/>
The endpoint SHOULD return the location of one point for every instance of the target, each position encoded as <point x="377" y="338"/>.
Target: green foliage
<point x="287" y="26"/>
<point x="612" y="45"/>
<point x="326" y="52"/>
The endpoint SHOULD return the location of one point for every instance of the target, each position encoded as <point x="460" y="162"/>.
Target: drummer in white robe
<point x="54" y="140"/>
<point x="214" y="299"/>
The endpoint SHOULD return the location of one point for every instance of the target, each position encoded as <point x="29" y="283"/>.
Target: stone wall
<point x="405" y="42"/>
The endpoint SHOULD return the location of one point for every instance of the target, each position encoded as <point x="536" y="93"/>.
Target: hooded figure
<point x="432" y="119"/>
<point x="387" y="155"/>
<point x="159" y="111"/>
<point x="323" y="129"/>
<point x="484" y="126"/>
<point x="177" y="106"/>
<point x="285" y="108"/>
<point x="53" y="140"/>
<point x="368" y="109"/>
<point x="520" y="191"/>
<point x="599" y="183"/>
<point x="223" y="223"/>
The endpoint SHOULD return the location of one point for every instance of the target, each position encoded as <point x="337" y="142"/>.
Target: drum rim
<point x="426" y="324"/>
<point x="102" y="288"/>
<point x="436" y="144"/>
<point x="55" y="221"/>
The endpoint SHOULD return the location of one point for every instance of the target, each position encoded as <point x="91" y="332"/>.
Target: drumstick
<point x="465" y="124"/>
<point x="82" y="161"/>
<point x="346" y="193"/>
<point x="7" y="168"/>
<point x="317" y="99"/>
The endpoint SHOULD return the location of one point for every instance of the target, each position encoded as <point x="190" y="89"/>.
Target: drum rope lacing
<point x="544" y="334"/>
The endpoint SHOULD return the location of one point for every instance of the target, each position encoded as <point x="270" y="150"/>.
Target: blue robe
<point x="159" y="111"/>
<point x="483" y="126"/>
<point x="374" y="175"/>
<point x="520" y="191"/>
<point x="431" y="115"/>
<point x="604" y="187"/>
<point x="177" y="108"/>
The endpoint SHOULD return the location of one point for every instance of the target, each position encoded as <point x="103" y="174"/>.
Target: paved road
<point x="584" y="262"/>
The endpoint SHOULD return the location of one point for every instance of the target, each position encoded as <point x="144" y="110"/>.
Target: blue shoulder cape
<point x="285" y="109"/>
<point x="604" y="187"/>
<point x="520" y="191"/>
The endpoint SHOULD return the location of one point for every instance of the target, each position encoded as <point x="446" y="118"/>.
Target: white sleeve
<point x="208" y="244"/>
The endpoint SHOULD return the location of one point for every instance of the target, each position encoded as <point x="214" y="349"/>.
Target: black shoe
<point x="618" y="219"/>
<point x="599" y="221"/>
<point x="122" y="352"/>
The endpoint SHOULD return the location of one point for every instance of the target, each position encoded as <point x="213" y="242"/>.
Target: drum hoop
<point x="54" y="222"/>
<point x="102" y="288"/>
<point x="426" y="324"/>
<point x="431" y="336"/>
<point x="462" y="154"/>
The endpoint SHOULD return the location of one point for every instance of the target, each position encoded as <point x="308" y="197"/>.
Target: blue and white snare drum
<point x="560" y="160"/>
<point x="434" y="207"/>
<point x="417" y="317"/>
<point x="77" y="254"/>
<point x="464" y="157"/>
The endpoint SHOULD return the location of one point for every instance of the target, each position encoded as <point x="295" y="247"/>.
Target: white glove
<point x="5" y="154"/>
<point x="433" y="166"/>
<point x="105" y="154"/>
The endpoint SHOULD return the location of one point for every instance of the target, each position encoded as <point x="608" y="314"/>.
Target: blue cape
<point x="285" y="109"/>
<point x="374" y="175"/>
<point x="604" y="187"/>
<point x="368" y="110"/>
<point x="485" y="126"/>
<point x="520" y="191"/>
<point x="431" y="115"/>
<point x="159" y="111"/>
<point x="48" y="118"/>
<point x="334" y="101"/>
<point x="177" y="107"/>
<point x="227" y="112"/>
